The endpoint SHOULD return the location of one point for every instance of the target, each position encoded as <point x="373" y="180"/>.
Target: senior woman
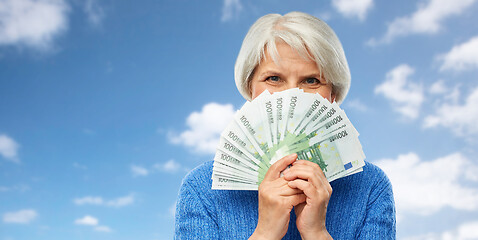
<point x="296" y="50"/>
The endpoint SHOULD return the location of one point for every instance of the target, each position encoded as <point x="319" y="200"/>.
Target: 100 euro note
<point x="236" y="153"/>
<point x="275" y="125"/>
<point x="250" y="137"/>
<point x="331" y="118"/>
<point x="337" y="153"/>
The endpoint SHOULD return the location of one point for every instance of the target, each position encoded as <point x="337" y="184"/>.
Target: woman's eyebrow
<point x="312" y="75"/>
<point x="270" y="73"/>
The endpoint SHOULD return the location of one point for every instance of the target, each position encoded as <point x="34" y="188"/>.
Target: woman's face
<point x="293" y="71"/>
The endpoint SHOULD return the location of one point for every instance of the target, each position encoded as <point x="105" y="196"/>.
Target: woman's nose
<point x="291" y="83"/>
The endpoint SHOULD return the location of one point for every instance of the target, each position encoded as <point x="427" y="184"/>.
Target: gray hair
<point x="308" y="35"/>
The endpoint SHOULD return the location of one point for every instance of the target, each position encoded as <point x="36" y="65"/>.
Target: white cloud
<point x="461" y="119"/>
<point x="425" y="187"/>
<point x="461" y="57"/>
<point x="8" y="148"/>
<point x="121" y="201"/>
<point x="87" y="220"/>
<point x="426" y="20"/>
<point x="118" y="202"/>
<point x="466" y="231"/>
<point x="17" y="188"/>
<point x="88" y="200"/>
<point x="92" y="221"/>
<point x="205" y="128"/>
<point x="139" y="171"/>
<point x="406" y="96"/>
<point x="356" y="104"/>
<point x="443" y="93"/>
<point x="23" y="216"/>
<point x="169" y="166"/>
<point x="353" y="8"/>
<point x="103" y="229"/>
<point x="94" y="12"/>
<point x="231" y="9"/>
<point x="438" y="87"/>
<point x="33" y="23"/>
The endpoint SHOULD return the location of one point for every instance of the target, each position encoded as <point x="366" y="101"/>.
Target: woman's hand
<point x="309" y="178"/>
<point x="276" y="200"/>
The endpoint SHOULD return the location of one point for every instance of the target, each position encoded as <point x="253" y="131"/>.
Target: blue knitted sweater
<point x="361" y="207"/>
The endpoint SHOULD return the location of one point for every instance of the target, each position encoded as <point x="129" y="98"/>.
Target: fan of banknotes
<point x="275" y="125"/>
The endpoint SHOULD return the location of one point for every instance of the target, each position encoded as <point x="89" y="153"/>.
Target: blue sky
<point x="106" y="105"/>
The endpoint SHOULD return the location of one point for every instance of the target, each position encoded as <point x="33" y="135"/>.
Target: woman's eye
<point x="312" y="81"/>
<point x="273" y="78"/>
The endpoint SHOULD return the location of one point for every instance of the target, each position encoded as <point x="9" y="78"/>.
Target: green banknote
<point x="275" y="125"/>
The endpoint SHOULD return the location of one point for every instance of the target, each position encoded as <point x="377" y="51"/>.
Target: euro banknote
<point x="274" y="125"/>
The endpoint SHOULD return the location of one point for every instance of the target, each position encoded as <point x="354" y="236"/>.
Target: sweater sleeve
<point x="193" y="218"/>
<point x="379" y="221"/>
